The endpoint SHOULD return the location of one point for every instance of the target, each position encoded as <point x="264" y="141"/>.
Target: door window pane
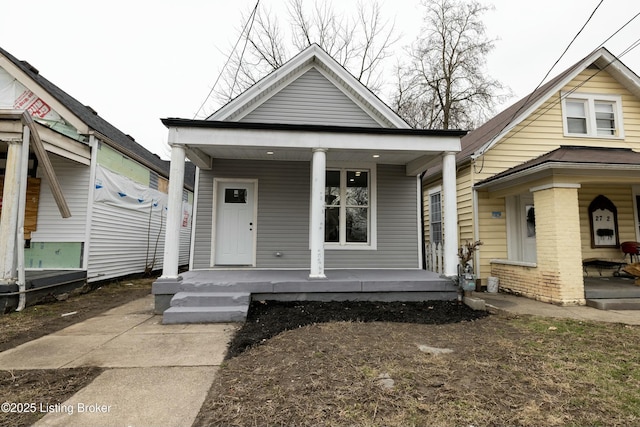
<point x="235" y="195"/>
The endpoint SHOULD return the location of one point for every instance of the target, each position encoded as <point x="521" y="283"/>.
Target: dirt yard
<point x="448" y="366"/>
<point x="375" y="364"/>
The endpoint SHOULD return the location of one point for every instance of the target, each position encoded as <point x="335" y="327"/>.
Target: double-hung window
<point x="435" y="217"/>
<point x="348" y="207"/>
<point x="592" y="115"/>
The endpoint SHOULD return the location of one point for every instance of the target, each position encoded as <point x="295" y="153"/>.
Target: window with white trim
<point x="592" y="115"/>
<point x="348" y="207"/>
<point x="435" y="217"/>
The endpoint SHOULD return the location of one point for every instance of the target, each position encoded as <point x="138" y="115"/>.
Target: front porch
<point x="218" y="295"/>
<point x="612" y="293"/>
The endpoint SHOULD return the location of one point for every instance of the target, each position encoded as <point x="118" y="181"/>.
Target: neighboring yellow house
<point x="550" y="182"/>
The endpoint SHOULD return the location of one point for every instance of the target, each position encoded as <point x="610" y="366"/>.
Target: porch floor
<point x="294" y="281"/>
<point x="610" y="287"/>
<point x="199" y="295"/>
<point x="612" y="293"/>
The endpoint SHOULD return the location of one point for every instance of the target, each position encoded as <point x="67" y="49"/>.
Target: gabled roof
<point x="478" y="141"/>
<point x="86" y="114"/>
<point x="312" y="56"/>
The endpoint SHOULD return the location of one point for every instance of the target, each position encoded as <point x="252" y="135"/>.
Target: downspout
<point x="93" y="145"/>
<point x="24" y="175"/>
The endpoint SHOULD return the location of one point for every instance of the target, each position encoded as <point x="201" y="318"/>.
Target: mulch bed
<point x="267" y="319"/>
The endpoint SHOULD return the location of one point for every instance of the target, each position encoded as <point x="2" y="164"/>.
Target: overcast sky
<point x="135" y="62"/>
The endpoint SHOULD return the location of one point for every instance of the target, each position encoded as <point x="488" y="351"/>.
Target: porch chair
<point x="632" y="249"/>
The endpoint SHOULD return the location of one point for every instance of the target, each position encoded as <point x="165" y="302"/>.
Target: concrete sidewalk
<point x="521" y="305"/>
<point x="157" y="374"/>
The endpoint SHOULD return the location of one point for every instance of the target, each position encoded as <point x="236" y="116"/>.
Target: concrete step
<point x="210" y="299"/>
<point x="175" y="315"/>
<point x="615" y="303"/>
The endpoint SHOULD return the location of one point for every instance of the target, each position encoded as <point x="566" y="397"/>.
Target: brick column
<point x="558" y="244"/>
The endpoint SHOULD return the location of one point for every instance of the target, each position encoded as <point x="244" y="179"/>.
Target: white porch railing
<point x="433" y="254"/>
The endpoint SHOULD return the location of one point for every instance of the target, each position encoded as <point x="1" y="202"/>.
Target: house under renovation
<point x="80" y="200"/>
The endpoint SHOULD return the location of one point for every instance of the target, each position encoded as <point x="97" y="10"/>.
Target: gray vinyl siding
<point x="283" y="211"/>
<point x="312" y="100"/>
<point x="397" y="226"/>
<point x="283" y="217"/>
<point x="74" y="180"/>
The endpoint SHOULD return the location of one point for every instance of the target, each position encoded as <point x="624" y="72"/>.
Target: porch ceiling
<point x="205" y="140"/>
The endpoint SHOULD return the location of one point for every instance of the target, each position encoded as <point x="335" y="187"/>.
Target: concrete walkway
<point x="521" y="305"/>
<point x="157" y="374"/>
<point x="160" y="374"/>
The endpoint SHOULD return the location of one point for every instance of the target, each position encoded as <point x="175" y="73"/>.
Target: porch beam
<point x="199" y="158"/>
<point x="316" y="220"/>
<point x="174" y="213"/>
<point x="278" y="138"/>
<point x="450" y="214"/>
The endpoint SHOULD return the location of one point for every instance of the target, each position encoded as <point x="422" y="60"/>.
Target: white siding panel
<point x="74" y="180"/>
<point x="123" y="242"/>
<point x="311" y="99"/>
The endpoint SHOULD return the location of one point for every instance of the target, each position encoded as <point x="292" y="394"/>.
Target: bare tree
<point x="360" y="44"/>
<point x="444" y="84"/>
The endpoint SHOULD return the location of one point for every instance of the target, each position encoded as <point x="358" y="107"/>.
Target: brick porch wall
<point x="557" y="276"/>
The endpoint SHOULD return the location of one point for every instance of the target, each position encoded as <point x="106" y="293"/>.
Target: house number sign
<point x="603" y="219"/>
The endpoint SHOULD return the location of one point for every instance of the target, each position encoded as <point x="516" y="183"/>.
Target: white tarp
<point x="118" y="190"/>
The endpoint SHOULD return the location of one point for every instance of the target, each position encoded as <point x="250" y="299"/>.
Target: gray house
<point x="307" y="186"/>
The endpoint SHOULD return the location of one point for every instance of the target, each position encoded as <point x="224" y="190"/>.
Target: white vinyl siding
<point x="74" y="180"/>
<point x="127" y="240"/>
<point x="311" y="100"/>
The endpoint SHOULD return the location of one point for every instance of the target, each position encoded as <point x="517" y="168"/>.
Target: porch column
<point x="316" y="216"/>
<point x="174" y="213"/>
<point x="558" y="244"/>
<point x="450" y="214"/>
<point x="9" y="217"/>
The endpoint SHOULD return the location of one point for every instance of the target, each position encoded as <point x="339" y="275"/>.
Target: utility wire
<point x="248" y="23"/>
<point x="631" y="47"/>
<point x="550" y="69"/>
<point x="570" y="92"/>
<point x="246" y="41"/>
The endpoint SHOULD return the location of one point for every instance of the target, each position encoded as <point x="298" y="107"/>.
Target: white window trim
<point x="430" y="192"/>
<point x="372" y="245"/>
<point x="590" y="99"/>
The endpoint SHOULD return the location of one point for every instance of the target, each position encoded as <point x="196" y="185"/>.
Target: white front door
<point x="235" y="223"/>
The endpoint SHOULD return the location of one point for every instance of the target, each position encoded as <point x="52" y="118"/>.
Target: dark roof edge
<point x="212" y="124"/>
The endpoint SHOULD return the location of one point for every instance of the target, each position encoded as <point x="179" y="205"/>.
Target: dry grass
<point x="524" y="371"/>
